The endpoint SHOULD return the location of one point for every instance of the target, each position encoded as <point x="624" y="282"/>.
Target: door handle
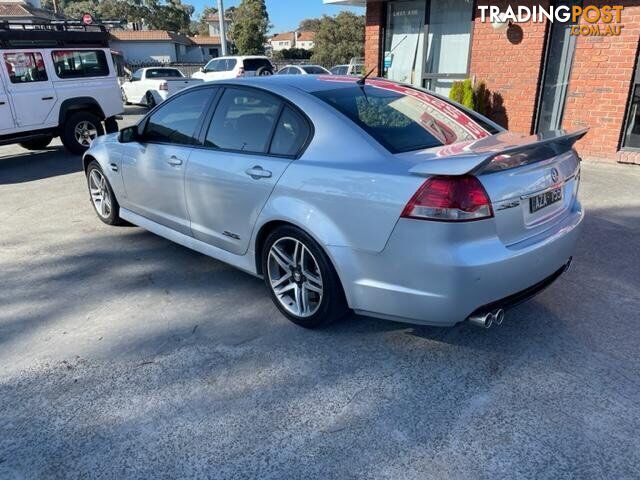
<point x="174" y="161"/>
<point x="2" y="103"/>
<point x="114" y="166"/>
<point x="47" y="98"/>
<point x="257" y="172"/>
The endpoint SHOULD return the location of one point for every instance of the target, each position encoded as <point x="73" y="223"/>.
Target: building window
<point x="25" y="67"/>
<point x="80" y="63"/>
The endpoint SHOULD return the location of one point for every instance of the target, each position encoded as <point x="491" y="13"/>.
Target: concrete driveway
<point x="123" y="355"/>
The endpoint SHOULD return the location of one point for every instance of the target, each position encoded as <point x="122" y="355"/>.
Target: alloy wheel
<point x="294" y="276"/>
<point x="85" y="132"/>
<point x="100" y="195"/>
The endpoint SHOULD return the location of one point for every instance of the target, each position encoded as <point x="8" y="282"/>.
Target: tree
<point x="249" y="28"/>
<point x="339" y="39"/>
<point x="173" y="15"/>
<point x="310" y="25"/>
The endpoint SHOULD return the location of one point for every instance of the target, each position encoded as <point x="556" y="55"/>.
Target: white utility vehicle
<point x="226" y="68"/>
<point x="153" y="85"/>
<point x="56" y="79"/>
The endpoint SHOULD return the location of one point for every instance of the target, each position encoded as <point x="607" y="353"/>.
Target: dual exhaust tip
<point x="488" y="319"/>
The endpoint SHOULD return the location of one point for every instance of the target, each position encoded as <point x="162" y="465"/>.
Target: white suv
<point x="225" y="68"/>
<point x="56" y="80"/>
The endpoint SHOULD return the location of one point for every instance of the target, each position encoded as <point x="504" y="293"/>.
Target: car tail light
<point x="164" y="86"/>
<point x="450" y="199"/>
<point x="240" y="72"/>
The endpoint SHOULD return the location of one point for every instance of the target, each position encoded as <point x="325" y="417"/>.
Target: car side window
<point x="294" y="71"/>
<point x="80" y="63"/>
<point x="291" y="133"/>
<point x="178" y="120"/>
<point x="230" y="64"/>
<point x="25" y="67"/>
<point x="244" y="120"/>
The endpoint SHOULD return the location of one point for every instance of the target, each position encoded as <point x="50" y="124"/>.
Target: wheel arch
<point x="86" y="160"/>
<point x="77" y="104"/>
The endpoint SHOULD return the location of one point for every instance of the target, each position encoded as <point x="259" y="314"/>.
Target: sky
<point x="284" y="15"/>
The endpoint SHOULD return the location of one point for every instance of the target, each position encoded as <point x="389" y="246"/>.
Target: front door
<point x="251" y="141"/>
<point x="29" y="87"/>
<point x="153" y="168"/>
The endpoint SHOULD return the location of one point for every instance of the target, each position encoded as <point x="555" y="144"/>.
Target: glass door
<point x="404" y="41"/>
<point x="561" y="46"/>
<point x="449" y="41"/>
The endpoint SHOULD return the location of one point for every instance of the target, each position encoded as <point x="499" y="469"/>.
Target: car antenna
<point x="363" y="79"/>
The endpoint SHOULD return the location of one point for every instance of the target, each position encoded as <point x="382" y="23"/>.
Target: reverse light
<point x="164" y="86"/>
<point x="450" y="199"/>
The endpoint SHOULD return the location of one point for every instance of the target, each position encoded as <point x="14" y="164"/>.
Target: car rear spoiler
<point x="502" y="151"/>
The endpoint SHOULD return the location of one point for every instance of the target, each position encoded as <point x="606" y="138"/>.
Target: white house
<point x="213" y="21"/>
<point x="287" y="40"/>
<point x="161" y="46"/>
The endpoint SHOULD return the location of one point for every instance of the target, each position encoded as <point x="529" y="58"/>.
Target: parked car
<point x="366" y="195"/>
<point x="225" y="68"/>
<point x="69" y="90"/>
<point x="151" y="86"/>
<point x="350" y="69"/>
<point x="303" y="70"/>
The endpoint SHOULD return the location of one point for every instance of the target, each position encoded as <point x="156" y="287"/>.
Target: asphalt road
<point x="123" y="355"/>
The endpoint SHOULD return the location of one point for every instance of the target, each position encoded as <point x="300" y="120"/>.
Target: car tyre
<point x="263" y="72"/>
<point x="79" y="130"/>
<point x="124" y="97"/>
<point x="37" y="143"/>
<point x="302" y="281"/>
<point x="101" y="195"/>
<point x="150" y="100"/>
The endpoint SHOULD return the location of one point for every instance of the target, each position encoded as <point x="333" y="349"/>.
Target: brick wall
<point x="373" y="35"/>
<point x="509" y="62"/>
<point x="599" y="88"/>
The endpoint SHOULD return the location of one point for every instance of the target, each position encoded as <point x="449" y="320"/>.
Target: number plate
<point x="545" y="199"/>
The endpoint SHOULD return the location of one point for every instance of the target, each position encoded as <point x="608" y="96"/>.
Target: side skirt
<point x="243" y="262"/>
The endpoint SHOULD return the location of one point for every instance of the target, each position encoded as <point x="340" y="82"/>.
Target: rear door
<point x="252" y="138"/>
<point x="30" y="87"/>
<point x="153" y="169"/>
<point x="6" y="115"/>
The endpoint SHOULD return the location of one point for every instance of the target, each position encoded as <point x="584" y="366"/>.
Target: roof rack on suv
<point x="61" y="33"/>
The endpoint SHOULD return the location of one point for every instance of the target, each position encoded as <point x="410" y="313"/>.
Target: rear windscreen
<point x="163" y="73"/>
<point x="253" y="64"/>
<point x="403" y="119"/>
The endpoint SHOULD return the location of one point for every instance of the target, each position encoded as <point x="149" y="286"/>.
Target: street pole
<point x="223" y="31"/>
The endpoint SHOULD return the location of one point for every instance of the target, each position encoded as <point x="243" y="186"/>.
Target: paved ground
<point x="125" y="356"/>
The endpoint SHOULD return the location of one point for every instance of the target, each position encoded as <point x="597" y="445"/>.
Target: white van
<point x="56" y="80"/>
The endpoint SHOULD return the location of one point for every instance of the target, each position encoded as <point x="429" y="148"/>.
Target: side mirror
<point x="203" y="70"/>
<point x="129" y="134"/>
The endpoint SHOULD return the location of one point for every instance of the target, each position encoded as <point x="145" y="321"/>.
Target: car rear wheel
<point x="301" y="279"/>
<point x="79" y="130"/>
<point x="101" y="194"/>
<point x="37" y="143"/>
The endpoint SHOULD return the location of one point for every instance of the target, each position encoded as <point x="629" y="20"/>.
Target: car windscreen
<point x="403" y="119"/>
<point x="164" y="73"/>
<point x="253" y="64"/>
<point x="314" y="70"/>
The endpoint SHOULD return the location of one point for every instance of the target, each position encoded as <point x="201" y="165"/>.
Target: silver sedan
<point x="346" y="194"/>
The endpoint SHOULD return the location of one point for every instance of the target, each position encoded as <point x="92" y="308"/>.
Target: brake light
<point x="450" y="199"/>
<point x="164" y="86"/>
<point x="240" y="72"/>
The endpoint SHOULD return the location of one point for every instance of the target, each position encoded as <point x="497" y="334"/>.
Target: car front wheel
<point x="101" y="194"/>
<point x="301" y="279"/>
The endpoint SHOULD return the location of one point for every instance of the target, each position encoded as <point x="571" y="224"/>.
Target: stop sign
<point x="87" y="19"/>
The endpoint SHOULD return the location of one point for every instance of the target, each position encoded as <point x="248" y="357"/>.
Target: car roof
<point x="306" y="83"/>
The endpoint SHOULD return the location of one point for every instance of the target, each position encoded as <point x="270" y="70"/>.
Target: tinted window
<point x="163" y="73"/>
<point x="314" y="70"/>
<point x="229" y="64"/>
<point x="403" y="119"/>
<point x="212" y="66"/>
<point x="293" y="71"/>
<point x="339" y="70"/>
<point x="291" y="133"/>
<point x="25" y="67"/>
<point x="80" y="63"/>
<point x="177" y="120"/>
<point x="253" y="64"/>
<point x="243" y="121"/>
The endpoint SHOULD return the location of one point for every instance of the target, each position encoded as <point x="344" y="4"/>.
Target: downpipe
<point x="487" y="319"/>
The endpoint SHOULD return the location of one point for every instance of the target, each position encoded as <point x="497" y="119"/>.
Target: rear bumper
<point x="440" y="273"/>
